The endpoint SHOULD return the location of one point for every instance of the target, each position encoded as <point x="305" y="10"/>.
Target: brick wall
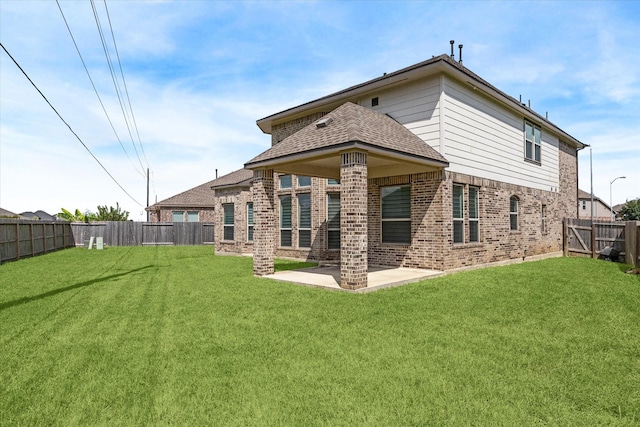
<point x="239" y="196"/>
<point x="166" y="214"/>
<point x="283" y="130"/>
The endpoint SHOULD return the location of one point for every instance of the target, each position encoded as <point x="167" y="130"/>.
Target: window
<point x="458" y="213"/>
<point x="304" y="220"/>
<point x="177" y="216"/>
<point x="304" y="181"/>
<point x="474" y="215"/>
<point x="584" y="205"/>
<point x="333" y="182"/>
<point x="285" y="181"/>
<point x="513" y="213"/>
<point x="532" y="142"/>
<point x="333" y="221"/>
<point x="396" y="214"/>
<point x="543" y="214"/>
<point x="250" y="222"/>
<point x="228" y="221"/>
<point x="285" y="220"/>
<point x="192" y="216"/>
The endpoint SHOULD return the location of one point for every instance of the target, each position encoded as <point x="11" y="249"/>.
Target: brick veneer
<point x="264" y="230"/>
<point x="353" y="220"/>
<point x="239" y="196"/>
<point x="166" y="214"/>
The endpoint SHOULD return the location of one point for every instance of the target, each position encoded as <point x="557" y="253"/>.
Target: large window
<point x="228" y="221"/>
<point x="285" y="181"/>
<point x="177" y="216"/>
<point x="474" y="214"/>
<point x="285" y="220"/>
<point x="513" y="213"/>
<point x="458" y="213"/>
<point x="532" y="147"/>
<point x="304" y="181"/>
<point x="250" y="222"/>
<point x="192" y="216"/>
<point x="304" y="220"/>
<point x="333" y="221"/>
<point x="333" y="181"/>
<point x="396" y="214"/>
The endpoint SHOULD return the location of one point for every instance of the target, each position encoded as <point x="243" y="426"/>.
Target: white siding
<point x="486" y="140"/>
<point x="414" y="105"/>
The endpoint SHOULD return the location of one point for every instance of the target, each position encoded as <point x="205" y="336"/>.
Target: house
<point x="233" y="212"/>
<point x="38" y="215"/>
<point x="601" y="210"/>
<point x="8" y="214"/>
<point x="429" y="166"/>
<point x="193" y="205"/>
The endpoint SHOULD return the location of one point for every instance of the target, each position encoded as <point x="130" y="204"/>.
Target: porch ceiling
<point x="315" y="150"/>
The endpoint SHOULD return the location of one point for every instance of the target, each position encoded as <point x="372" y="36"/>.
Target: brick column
<point x="353" y="220"/>
<point x="264" y="224"/>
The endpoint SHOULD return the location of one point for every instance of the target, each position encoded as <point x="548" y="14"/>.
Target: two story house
<point x="429" y="166"/>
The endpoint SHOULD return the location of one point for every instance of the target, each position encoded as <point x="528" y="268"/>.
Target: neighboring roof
<point x="38" y="215"/>
<point x="583" y="195"/>
<point x="442" y="63"/>
<point x="8" y="214"/>
<point x="239" y="178"/>
<point x="202" y="195"/>
<point x="351" y="125"/>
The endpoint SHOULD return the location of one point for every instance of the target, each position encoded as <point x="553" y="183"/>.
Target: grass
<point x="178" y="336"/>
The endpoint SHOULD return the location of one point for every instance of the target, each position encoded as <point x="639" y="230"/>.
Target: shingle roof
<point x="8" y="214"/>
<point x="241" y="177"/>
<point x="351" y="123"/>
<point x="202" y="195"/>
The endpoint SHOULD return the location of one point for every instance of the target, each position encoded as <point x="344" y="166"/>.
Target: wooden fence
<point x="129" y="233"/>
<point x="21" y="238"/>
<point x="582" y="238"/>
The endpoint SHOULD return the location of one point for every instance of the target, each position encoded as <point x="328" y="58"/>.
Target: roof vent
<point x="322" y="123"/>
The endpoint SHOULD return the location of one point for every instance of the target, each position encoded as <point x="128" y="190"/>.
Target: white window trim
<point x="250" y="224"/>
<point x="512" y="213"/>
<point x="332" y="228"/>
<point x="534" y="144"/>
<point x="477" y="219"/>
<point x="460" y="219"/>
<point x="382" y="221"/>
<point x="290" y="229"/>
<point x="310" y="218"/>
<point x="225" y="226"/>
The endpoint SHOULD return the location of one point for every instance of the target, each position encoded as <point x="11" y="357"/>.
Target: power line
<point x="115" y="80"/>
<point x="126" y="90"/>
<point x="65" y="122"/>
<point x="95" y="89"/>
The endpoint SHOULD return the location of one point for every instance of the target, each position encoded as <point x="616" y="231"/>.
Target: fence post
<point x="630" y="246"/>
<point x="565" y="237"/>
<point x="594" y="248"/>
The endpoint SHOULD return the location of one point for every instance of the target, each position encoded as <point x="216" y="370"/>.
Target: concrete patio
<point x="378" y="277"/>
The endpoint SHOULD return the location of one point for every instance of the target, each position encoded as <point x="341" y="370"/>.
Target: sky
<point x="198" y="74"/>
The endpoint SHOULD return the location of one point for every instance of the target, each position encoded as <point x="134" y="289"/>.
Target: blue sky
<point x="200" y="73"/>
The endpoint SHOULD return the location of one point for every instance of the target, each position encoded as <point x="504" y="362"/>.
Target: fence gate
<point x="582" y="237"/>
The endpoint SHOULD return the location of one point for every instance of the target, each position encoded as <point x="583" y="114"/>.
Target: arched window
<point x="513" y="213"/>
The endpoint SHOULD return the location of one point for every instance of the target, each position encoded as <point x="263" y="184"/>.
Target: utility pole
<point x="147" y="194"/>
<point x="591" y="171"/>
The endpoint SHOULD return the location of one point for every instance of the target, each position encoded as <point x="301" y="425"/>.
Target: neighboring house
<point x="601" y="210"/>
<point x="38" y="215"/>
<point x="429" y="167"/>
<point x="194" y="205"/>
<point x="8" y="214"/>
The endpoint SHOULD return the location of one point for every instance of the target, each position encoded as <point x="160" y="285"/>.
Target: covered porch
<point x="352" y="144"/>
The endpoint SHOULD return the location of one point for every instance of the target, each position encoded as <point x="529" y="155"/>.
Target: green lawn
<point x="178" y="336"/>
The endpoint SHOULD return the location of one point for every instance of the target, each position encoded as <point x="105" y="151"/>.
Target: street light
<point x="611" y="197"/>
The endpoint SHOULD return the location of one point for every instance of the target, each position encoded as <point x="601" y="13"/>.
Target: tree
<point x="111" y="213"/>
<point x="76" y="217"/>
<point x="630" y="211"/>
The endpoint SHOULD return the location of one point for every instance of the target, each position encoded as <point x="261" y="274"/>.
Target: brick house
<point x="193" y="205"/>
<point x="429" y="167"/>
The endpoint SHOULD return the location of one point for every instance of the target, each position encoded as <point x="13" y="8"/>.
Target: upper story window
<point x="333" y="181"/>
<point x="532" y="147"/>
<point x="396" y="214"/>
<point x="304" y="181"/>
<point x="285" y="181"/>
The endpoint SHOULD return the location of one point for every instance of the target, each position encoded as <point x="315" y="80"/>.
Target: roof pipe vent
<point x="460" y="56"/>
<point x="451" y="42"/>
